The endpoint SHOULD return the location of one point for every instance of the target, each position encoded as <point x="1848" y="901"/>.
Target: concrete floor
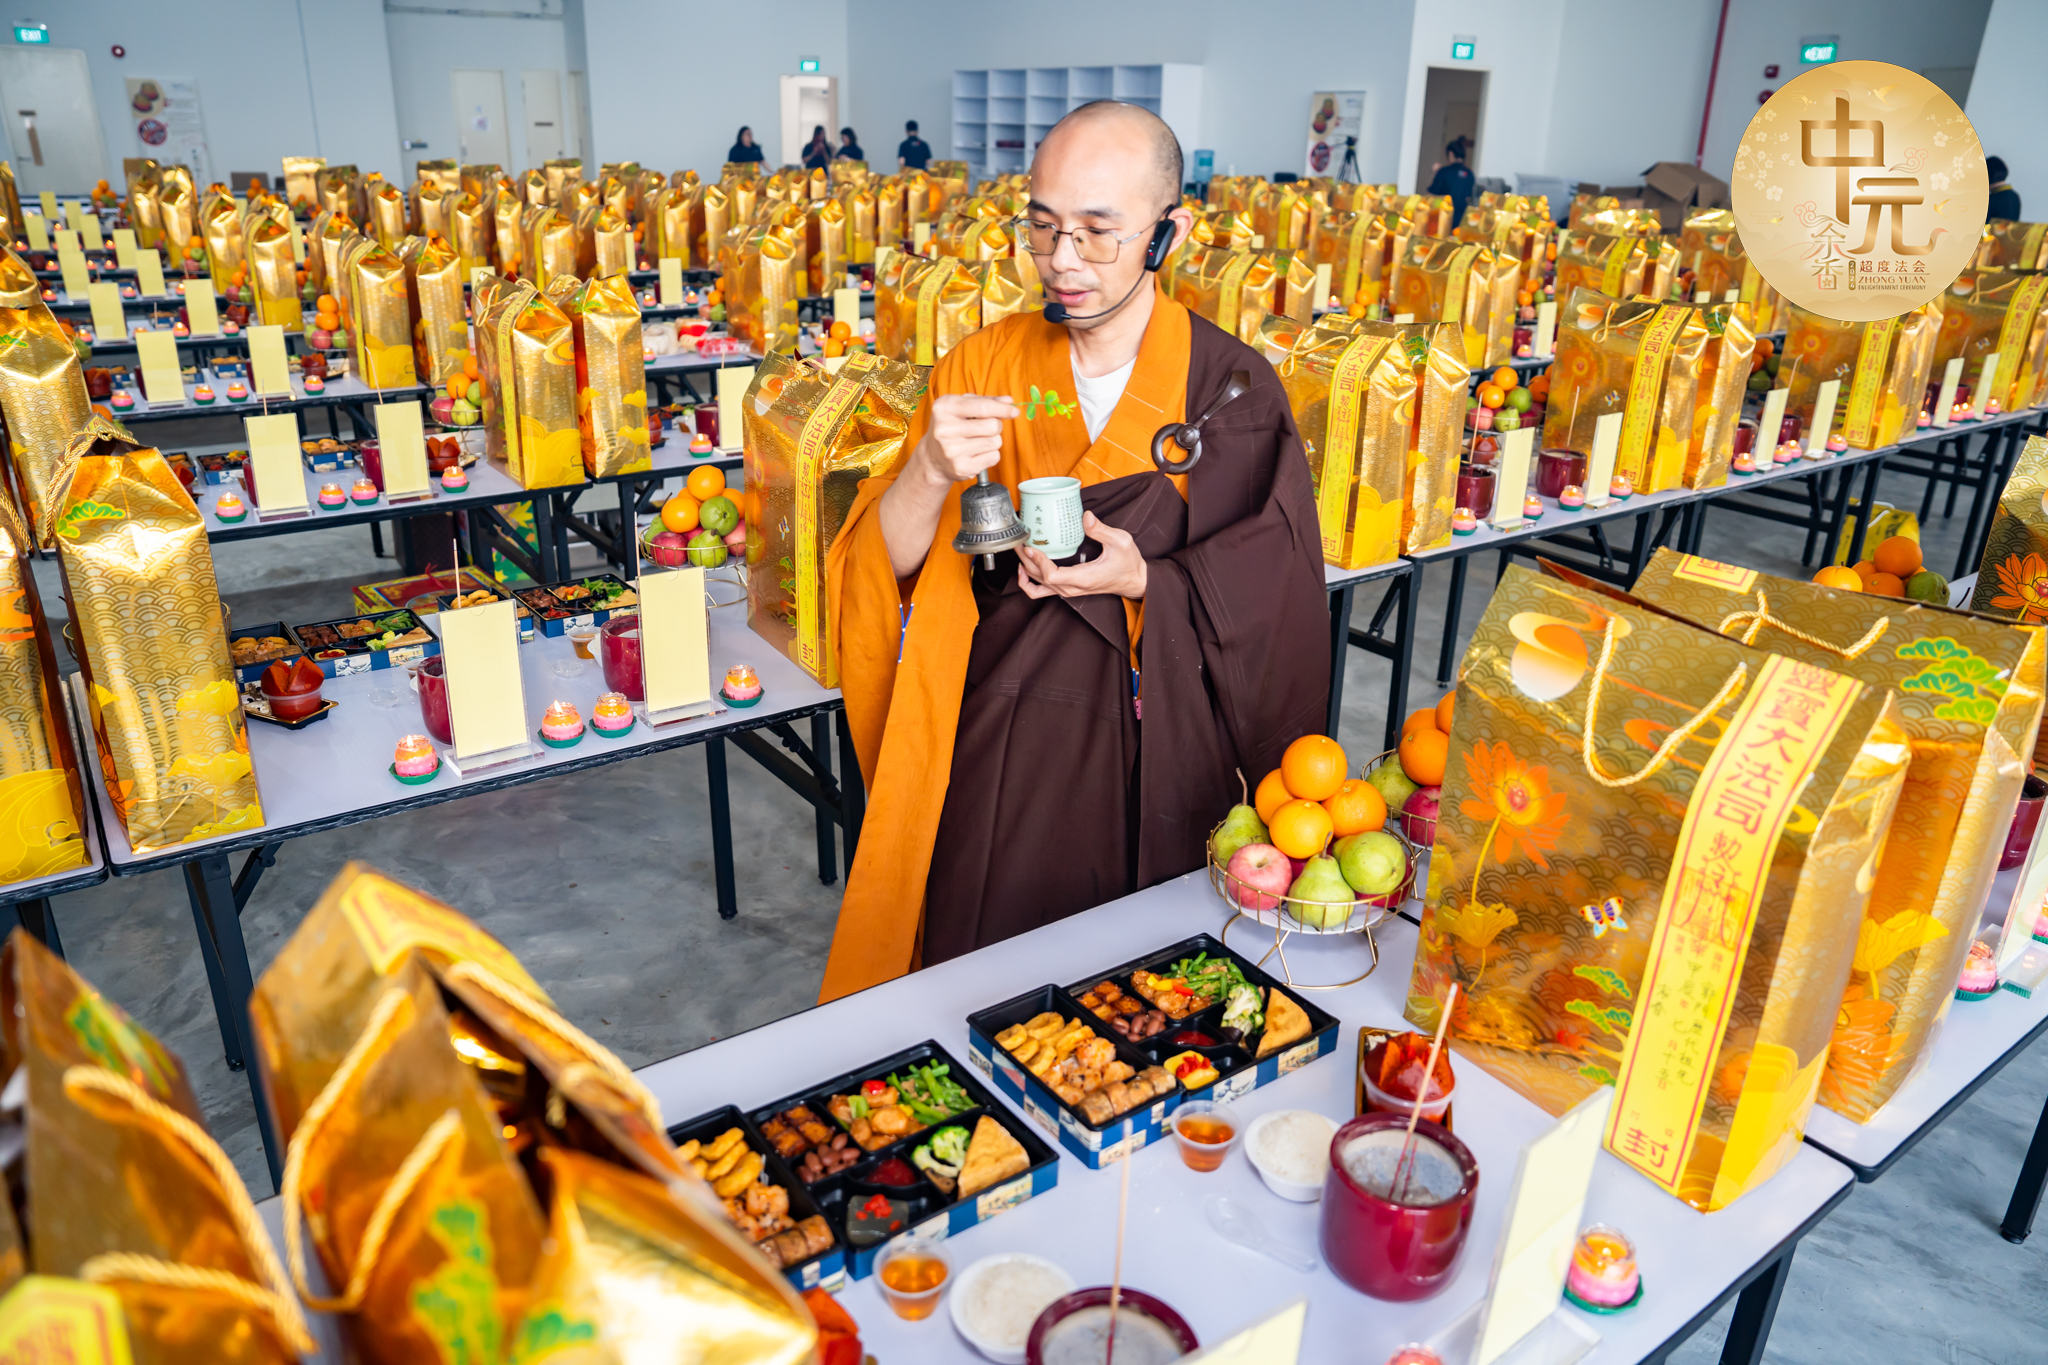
<point x="601" y="883"/>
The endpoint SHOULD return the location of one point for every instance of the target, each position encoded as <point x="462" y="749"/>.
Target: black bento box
<point x="276" y="630"/>
<point x="553" y="613"/>
<point x="356" y="655"/>
<point x="1240" y="1069"/>
<point x="927" y="1211"/>
<point x="827" y="1269"/>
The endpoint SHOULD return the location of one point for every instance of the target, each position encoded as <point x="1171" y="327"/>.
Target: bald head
<point x="1123" y="140"/>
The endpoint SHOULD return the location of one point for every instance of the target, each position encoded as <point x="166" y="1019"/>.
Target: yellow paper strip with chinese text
<point x="1354" y="257"/>
<point x="1340" y="461"/>
<point x="1645" y="384"/>
<point x="2013" y="334"/>
<point x="1863" y="389"/>
<point x="1458" y="278"/>
<point x="1231" y="290"/>
<point x="390" y="920"/>
<point x="1617" y="266"/>
<point x="1714" y="574"/>
<point x="812" y="646"/>
<point x="1719" y="870"/>
<point x="47" y="1318"/>
<point x="1283" y="222"/>
<point x="928" y="313"/>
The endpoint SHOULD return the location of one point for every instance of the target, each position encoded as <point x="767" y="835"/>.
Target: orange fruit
<point x="679" y="513"/>
<point x="1886" y="584"/>
<point x="1835" y="576"/>
<point x="1443" y="711"/>
<point x="841" y="329"/>
<point x="706" y="482"/>
<point x="1271" y="795"/>
<point x="1765" y="348"/>
<point x="1539" y="387"/>
<point x="1899" y="556"/>
<point x="1300" y="829"/>
<point x="326" y="304"/>
<point x="1864" y="569"/>
<point x="1313" y="768"/>
<point x="1424" y="754"/>
<point x="1357" y="808"/>
<point x="1491" y="395"/>
<point x="1425" y="719"/>
<point x="1506" y="380"/>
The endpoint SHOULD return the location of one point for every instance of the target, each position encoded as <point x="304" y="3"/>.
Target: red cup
<point x="707" y="422"/>
<point x="1398" y="1252"/>
<point x="370" y="456"/>
<point x="1555" y="469"/>
<point x="2025" y="820"/>
<point x="1788" y="429"/>
<point x="433" y="684"/>
<point x="1475" y="490"/>
<point x="1745" y="438"/>
<point x="618" y="644"/>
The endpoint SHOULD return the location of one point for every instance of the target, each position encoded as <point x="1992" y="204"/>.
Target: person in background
<point x="849" y="146"/>
<point x="818" y="151"/>
<point x="913" y="153"/>
<point x="743" y="148"/>
<point x="1454" y="177"/>
<point x="2005" y="200"/>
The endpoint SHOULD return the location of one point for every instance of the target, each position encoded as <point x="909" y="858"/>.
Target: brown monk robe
<point x="1013" y="776"/>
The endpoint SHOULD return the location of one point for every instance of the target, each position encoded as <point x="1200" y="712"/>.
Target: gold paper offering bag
<point x="160" y="689"/>
<point x="1969" y="695"/>
<point x="41" y="796"/>
<point x="2008" y="245"/>
<point x="526" y="356"/>
<point x="1639" y="358"/>
<point x="1233" y="289"/>
<point x="122" y="1185"/>
<point x="2012" y="579"/>
<point x="1354" y="246"/>
<point x="1654" y="850"/>
<point x="923" y="307"/>
<point x="611" y="375"/>
<point x="811" y="437"/>
<point x="380" y="320"/>
<point x="1723" y="379"/>
<point x="433" y="289"/>
<point x="1882" y="368"/>
<point x="274" y="272"/>
<point x="221" y="227"/>
<point x="42" y="387"/>
<point x="1465" y="283"/>
<point x="1996" y="312"/>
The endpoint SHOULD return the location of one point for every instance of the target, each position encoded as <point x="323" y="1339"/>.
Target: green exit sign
<point x="1815" y="52"/>
<point x="808" y="65"/>
<point x="1463" y="50"/>
<point x="31" y="33"/>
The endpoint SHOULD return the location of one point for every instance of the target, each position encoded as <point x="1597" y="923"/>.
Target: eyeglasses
<point x="1096" y="246"/>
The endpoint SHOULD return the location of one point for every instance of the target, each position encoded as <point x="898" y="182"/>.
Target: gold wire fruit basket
<point x="1286" y="916"/>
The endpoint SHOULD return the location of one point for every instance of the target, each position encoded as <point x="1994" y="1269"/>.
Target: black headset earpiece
<point x="1160" y="245"/>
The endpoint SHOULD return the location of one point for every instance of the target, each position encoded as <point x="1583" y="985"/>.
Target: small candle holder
<point x="315" y="384"/>
<point x="230" y="508"/>
<point x="1603" y="1276"/>
<point x="363" y="493"/>
<point x="1837" y="443"/>
<point x="122" y="400"/>
<point x="454" y="478"/>
<point x="1979" y="980"/>
<point x="1787" y="452"/>
<point x="1532" y="507"/>
<point x="413" y="760"/>
<point x="1926" y="419"/>
<point x="331" y="497"/>
<point x="561" y="725"/>
<point x="742" y="686"/>
<point x="1572" y="497"/>
<point x="612" y="716"/>
<point x="203" y="395"/>
<point x="1621" y="488"/>
<point x="1463" y="523"/>
<point x="179" y="329"/>
<point x="238" y="392"/>
<point x="1414" y="1353"/>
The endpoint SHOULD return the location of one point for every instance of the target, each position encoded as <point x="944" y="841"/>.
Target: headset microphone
<point x="1155" y="257"/>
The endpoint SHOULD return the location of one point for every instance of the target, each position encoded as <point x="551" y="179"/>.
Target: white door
<point x="52" y="124"/>
<point x="480" y="117"/>
<point x="545" y="137"/>
<point x="579" y="115"/>
<point x="807" y="102"/>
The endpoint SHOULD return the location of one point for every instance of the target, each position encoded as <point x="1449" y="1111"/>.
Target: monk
<point x="1050" y="736"/>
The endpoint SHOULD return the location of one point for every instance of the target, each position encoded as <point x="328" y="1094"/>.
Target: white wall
<point x="426" y="47"/>
<point x="1908" y="33"/>
<point x="1260" y="64"/>
<point x="1517" y="49"/>
<point x="671" y="81"/>
<point x="349" y="58"/>
<point x="2005" y="97"/>
<point x="1612" y="115"/>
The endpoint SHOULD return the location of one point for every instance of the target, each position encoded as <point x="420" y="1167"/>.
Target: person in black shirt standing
<point x="913" y="153"/>
<point x="818" y="151"/>
<point x="743" y="148"/>
<point x="1454" y="178"/>
<point x="849" y="146"/>
<point x="2005" y="200"/>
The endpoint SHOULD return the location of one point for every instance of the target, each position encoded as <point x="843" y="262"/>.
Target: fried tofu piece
<point x="722" y="1144"/>
<point x="743" y="1174"/>
<point x="1045" y="1025"/>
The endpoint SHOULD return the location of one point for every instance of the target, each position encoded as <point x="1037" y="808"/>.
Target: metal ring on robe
<point x="1188" y="435"/>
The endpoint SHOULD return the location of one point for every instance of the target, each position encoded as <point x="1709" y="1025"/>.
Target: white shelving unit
<point x="1001" y="114"/>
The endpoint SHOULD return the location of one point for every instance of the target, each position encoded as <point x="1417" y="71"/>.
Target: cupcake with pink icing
<point x="561" y="725"/>
<point x="413" y="760"/>
<point x="742" y="686"/>
<point x="1980" y="973"/>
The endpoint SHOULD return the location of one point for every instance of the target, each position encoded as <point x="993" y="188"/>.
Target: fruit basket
<point x="1286" y="916"/>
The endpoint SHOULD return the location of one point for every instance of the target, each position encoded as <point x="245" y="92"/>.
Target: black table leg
<point x="1982" y="493"/>
<point x="1838" y="514"/>
<point x="853" y="792"/>
<point x="1340" y="651"/>
<point x="821" y="765"/>
<point x="1447" y="657"/>
<point x="2026" y="1195"/>
<point x="628" y="543"/>
<point x="1404" y="653"/>
<point x="1874" y="472"/>
<point x="212" y="892"/>
<point x="39" y="919"/>
<point x="721" y="829"/>
<point x="544" y="540"/>
<point x="1754" y="1309"/>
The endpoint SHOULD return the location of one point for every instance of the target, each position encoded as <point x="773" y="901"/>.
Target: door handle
<point x="35" y="144"/>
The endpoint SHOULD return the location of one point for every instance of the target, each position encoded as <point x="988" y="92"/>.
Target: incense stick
<point x="1116" y="1274"/>
<point x="1399" y="1185"/>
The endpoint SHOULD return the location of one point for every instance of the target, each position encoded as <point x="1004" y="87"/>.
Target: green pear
<point x="1320" y="880"/>
<point x="1373" y="863"/>
<point x="1242" y="826"/>
<point x="1392" y="783"/>
<point x="1928" y="586"/>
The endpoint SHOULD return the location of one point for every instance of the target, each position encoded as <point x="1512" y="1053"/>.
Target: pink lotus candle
<point x="203" y="394"/>
<point x="238" y="392"/>
<point x="331" y="496"/>
<point x="315" y="384"/>
<point x="362" y="493"/>
<point x="413" y="760"/>
<point x="229" y="508"/>
<point x="700" y="444"/>
<point x="612" y="716"/>
<point x="1837" y="443"/>
<point x="561" y="725"/>
<point x="1620" y="488"/>
<point x="1603" y="1273"/>
<point x="1463" y="523"/>
<point x="1980" y="973"/>
<point x="454" y="478"/>
<point x="1573" y="496"/>
<point x="1532" y="507"/>
<point x="742" y="685"/>
<point x="123" y="400"/>
<point x="178" y="329"/>
<point x="1743" y="463"/>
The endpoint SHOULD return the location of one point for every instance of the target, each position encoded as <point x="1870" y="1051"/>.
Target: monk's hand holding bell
<point x="1119" y="569"/>
<point x="965" y="437"/>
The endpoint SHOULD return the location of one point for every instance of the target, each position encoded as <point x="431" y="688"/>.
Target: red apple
<point x="1418" y="816"/>
<point x="736" y="539"/>
<point x="443" y="409"/>
<point x="670" y="549"/>
<point x="1262" y="875"/>
<point x="320" y="338"/>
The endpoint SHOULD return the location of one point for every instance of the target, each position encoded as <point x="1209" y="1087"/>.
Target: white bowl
<point x="958" y="1296"/>
<point x="1279" y="1184"/>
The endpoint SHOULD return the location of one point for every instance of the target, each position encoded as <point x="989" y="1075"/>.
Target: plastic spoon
<point x="1234" y="1222"/>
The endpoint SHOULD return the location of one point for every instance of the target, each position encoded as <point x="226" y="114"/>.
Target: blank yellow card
<point x="1545" y="1203"/>
<point x="846" y="308"/>
<point x="733" y="381"/>
<point x="269" y="374"/>
<point x="71" y="261"/>
<point x="298" y="241"/>
<point x="402" y="444"/>
<point x="486" y="696"/>
<point x="125" y="250"/>
<point x="108" y="321"/>
<point x="1511" y="477"/>
<point x="671" y="282"/>
<point x="48" y="199"/>
<point x="202" y="311"/>
<point x="1274" y="1339"/>
<point x="149" y="275"/>
<point x="38" y="231"/>
<point x="89" y="232"/>
<point x="274" y="462"/>
<point x="675" y="645"/>
<point x="156" y="354"/>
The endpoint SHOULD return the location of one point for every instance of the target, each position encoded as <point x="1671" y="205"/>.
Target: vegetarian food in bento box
<point x="757" y="1206"/>
<point x="254" y="649"/>
<point x="1081" y="1067"/>
<point x="332" y="639"/>
<point x="941" y="1157"/>
<point x="883" y="1111"/>
<point x="993" y="1156"/>
<point x="1192" y="1070"/>
<point x="1286" y="1022"/>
